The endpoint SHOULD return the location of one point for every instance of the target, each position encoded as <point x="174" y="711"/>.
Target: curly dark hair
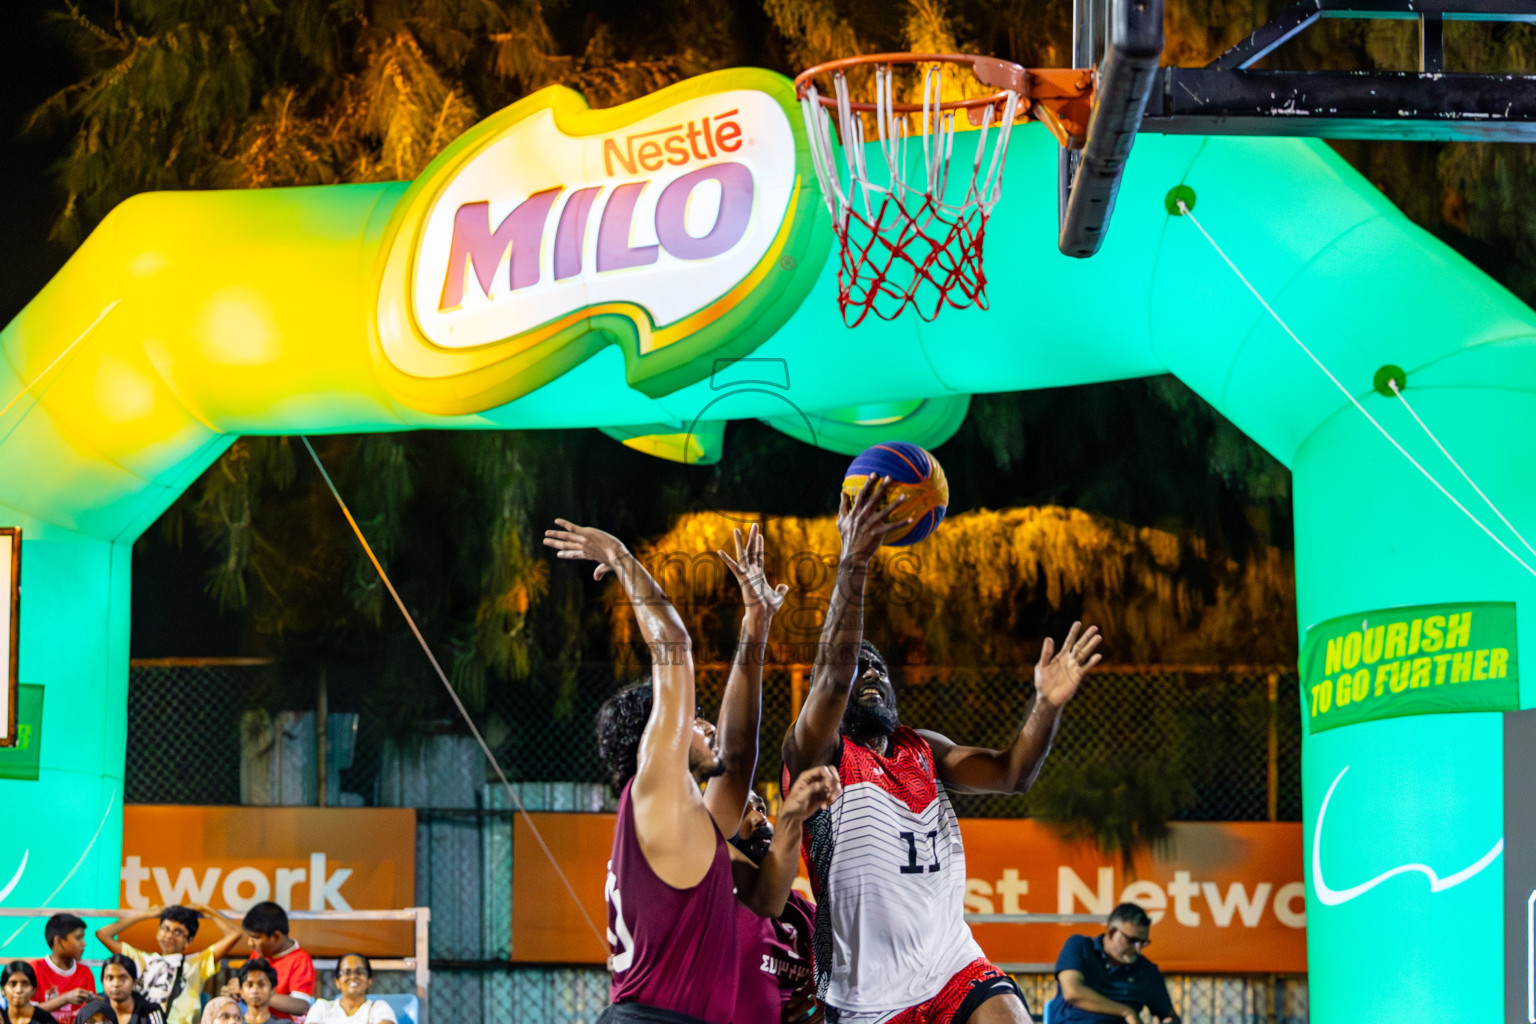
<point x="183" y="916"/>
<point x="620" y="722"/>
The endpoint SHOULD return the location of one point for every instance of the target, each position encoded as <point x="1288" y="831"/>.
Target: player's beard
<point x="864" y="722"/>
<point x="756" y="845"/>
<point x="705" y="766"/>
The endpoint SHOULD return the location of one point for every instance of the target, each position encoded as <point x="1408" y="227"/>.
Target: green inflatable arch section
<point x="196" y="318"/>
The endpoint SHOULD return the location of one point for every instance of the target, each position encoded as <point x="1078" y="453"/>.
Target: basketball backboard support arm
<point x="1089" y="178"/>
<point x="1228" y="97"/>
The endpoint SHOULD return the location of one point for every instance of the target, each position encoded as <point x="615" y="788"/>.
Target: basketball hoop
<point x="914" y="239"/>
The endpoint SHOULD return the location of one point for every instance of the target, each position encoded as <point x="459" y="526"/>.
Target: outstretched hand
<point x="1059" y="674"/>
<point x="865" y="519"/>
<point x="747" y="567"/>
<point x="814" y="790"/>
<point x="587" y="543"/>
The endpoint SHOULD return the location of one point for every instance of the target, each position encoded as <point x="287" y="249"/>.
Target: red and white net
<point x="909" y="235"/>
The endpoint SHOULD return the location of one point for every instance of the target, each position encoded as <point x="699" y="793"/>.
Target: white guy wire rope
<point x="1451" y="459"/>
<point x="1185" y="210"/>
<point x="443" y="677"/>
<point x="60" y="357"/>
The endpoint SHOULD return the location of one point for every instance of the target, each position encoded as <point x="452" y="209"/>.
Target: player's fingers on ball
<point x="869" y="494"/>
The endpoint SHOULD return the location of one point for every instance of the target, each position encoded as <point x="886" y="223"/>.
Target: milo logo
<point x="680" y="227"/>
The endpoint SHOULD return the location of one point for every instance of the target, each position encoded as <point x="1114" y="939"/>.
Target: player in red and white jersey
<point x="887" y="862"/>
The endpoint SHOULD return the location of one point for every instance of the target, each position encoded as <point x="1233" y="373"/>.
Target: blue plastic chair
<point x="407" y="1008"/>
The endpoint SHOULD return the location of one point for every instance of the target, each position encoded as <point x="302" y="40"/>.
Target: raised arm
<point x="741" y="710"/>
<point x="107" y="934"/>
<point x="229" y="932"/>
<point x="764" y="888"/>
<point x="862" y="522"/>
<point x="1058" y="675"/>
<point x="675" y="830"/>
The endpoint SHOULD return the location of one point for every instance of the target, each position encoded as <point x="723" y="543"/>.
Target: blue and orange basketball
<point x="913" y="471"/>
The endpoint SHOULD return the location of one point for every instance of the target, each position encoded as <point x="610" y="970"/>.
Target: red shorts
<point x="977" y="982"/>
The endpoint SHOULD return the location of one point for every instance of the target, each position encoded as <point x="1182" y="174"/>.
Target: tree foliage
<point x="984" y="590"/>
<point x="188" y="94"/>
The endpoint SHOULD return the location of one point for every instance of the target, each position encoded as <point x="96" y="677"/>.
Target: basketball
<point x="913" y="471"/>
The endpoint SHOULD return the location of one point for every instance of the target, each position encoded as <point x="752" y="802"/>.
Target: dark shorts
<point x="635" y="1013"/>
<point x="977" y="982"/>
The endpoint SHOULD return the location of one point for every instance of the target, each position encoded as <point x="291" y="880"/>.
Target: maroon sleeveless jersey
<point x="674" y="949"/>
<point x="775" y="959"/>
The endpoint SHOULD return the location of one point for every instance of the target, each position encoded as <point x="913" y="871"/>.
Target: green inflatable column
<point x="1424" y="790"/>
<point x="75" y="624"/>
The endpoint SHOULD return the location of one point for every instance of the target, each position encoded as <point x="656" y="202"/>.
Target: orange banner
<point x="304" y="858"/>
<point x="1223" y="897"/>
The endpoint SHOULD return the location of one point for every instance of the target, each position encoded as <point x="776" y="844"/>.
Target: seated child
<point x="172" y="978"/>
<point x="257" y="979"/>
<point x="63" y="982"/>
<point x="266" y="932"/>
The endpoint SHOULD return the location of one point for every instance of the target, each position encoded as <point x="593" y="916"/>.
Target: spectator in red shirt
<point x="63" y="982"/>
<point x="266" y="932"/>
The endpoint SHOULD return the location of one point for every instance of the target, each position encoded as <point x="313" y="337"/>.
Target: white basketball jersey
<point x="888" y="868"/>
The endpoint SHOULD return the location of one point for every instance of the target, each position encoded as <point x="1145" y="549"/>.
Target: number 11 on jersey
<point x="912" y="867"/>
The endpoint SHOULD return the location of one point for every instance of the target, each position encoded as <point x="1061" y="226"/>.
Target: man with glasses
<point x="1106" y="980"/>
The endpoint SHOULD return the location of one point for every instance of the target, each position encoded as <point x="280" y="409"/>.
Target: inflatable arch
<point x="559" y="267"/>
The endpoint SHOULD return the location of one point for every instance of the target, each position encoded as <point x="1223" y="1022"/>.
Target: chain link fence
<point x="1197" y="742"/>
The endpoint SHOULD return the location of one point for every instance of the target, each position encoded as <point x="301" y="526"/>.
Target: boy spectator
<point x="63" y="982"/>
<point x="172" y="979"/>
<point x="266" y="932"/>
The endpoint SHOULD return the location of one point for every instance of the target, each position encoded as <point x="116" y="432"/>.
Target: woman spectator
<point x="354" y="977"/>
<point x="120" y="1004"/>
<point x="19" y="982"/>
<point x="221" y="1010"/>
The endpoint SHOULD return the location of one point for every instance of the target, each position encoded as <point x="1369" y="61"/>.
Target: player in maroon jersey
<point x="777" y="983"/>
<point x="673" y="880"/>
<point x="887" y="862"/>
